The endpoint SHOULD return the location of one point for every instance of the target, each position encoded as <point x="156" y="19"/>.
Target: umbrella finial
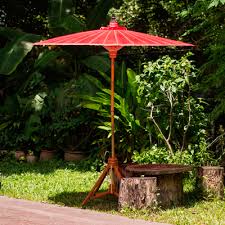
<point x="113" y="19"/>
<point x="113" y="25"/>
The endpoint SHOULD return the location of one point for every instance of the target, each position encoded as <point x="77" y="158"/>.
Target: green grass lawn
<point x="68" y="184"/>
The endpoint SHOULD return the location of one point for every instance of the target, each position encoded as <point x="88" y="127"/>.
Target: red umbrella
<point x="113" y="38"/>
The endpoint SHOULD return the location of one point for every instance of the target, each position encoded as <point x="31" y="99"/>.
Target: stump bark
<point x="138" y="192"/>
<point x="170" y="190"/>
<point x="211" y="181"/>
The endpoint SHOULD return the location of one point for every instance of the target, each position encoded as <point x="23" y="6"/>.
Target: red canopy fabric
<point x="113" y="35"/>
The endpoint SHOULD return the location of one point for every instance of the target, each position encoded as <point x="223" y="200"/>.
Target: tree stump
<point x="170" y="190"/>
<point x="211" y="181"/>
<point x="169" y="180"/>
<point x="138" y="192"/>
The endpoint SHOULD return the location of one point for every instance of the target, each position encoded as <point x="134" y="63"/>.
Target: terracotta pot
<point x="47" y="155"/>
<point x="31" y="158"/>
<point x="74" y="155"/>
<point x="19" y="154"/>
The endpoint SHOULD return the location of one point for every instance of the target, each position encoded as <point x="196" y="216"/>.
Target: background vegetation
<point x="170" y="106"/>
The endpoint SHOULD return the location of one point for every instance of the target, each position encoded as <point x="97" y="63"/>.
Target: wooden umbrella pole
<point x="112" y="107"/>
<point x="112" y="167"/>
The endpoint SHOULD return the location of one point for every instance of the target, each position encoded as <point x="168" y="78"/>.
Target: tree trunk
<point x="211" y="181"/>
<point x="138" y="192"/>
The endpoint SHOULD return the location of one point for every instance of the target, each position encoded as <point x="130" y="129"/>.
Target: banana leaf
<point x="62" y="18"/>
<point x="45" y="57"/>
<point x="9" y="33"/>
<point x="15" y="51"/>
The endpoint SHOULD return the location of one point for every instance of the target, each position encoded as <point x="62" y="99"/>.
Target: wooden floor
<point x="22" y="212"/>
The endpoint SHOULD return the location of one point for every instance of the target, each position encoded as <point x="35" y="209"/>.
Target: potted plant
<point x="48" y="152"/>
<point x="48" y="142"/>
<point x="20" y="153"/>
<point x="77" y="144"/>
<point x="72" y="154"/>
<point x="31" y="158"/>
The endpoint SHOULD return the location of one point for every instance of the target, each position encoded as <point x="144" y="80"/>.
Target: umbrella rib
<point x="115" y="34"/>
<point x="70" y="39"/>
<point x="143" y="41"/>
<point x="162" y="41"/>
<point x="106" y="38"/>
<point x="99" y="35"/>
<point x="81" y="39"/>
<point x="125" y="37"/>
<point x="54" y="41"/>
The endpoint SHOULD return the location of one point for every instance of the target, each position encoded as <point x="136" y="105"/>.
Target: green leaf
<point x="32" y="125"/>
<point x="15" y="51"/>
<point x="92" y="106"/>
<point x="99" y="63"/>
<point x="213" y="3"/>
<point x="132" y="85"/>
<point x="105" y="128"/>
<point x="116" y="96"/>
<point x="105" y="76"/>
<point x="45" y="57"/>
<point x="93" y="80"/>
<point x="120" y="79"/>
<point x="4" y="125"/>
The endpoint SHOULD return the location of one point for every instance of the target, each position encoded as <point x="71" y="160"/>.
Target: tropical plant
<point x="127" y="113"/>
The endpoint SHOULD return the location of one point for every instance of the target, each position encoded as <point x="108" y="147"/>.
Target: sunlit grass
<point x="68" y="184"/>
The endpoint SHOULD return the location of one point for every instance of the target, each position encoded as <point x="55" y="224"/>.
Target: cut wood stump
<point x="138" y="192"/>
<point x="170" y="190"/>
<point x="211" y="181"/>
<point x="168" y="177"/>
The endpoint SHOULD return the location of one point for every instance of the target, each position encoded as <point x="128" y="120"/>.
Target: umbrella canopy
<point x="112" y="35"/>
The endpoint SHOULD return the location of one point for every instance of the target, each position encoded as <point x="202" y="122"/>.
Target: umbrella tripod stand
<point x="112" y="166"/>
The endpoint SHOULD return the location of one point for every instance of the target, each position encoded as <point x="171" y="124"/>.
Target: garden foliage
<point x="58" y="97"/>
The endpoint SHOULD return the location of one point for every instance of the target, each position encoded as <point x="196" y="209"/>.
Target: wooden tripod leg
<point x="97" y="185"/>
<point x="116" y="177"/>
<point x="117" y="172"/>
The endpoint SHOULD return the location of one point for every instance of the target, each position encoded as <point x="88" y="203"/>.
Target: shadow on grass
<point x="75" y="199"/>
<point x="10" y="167"/>
<point x="191" y="198"/>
